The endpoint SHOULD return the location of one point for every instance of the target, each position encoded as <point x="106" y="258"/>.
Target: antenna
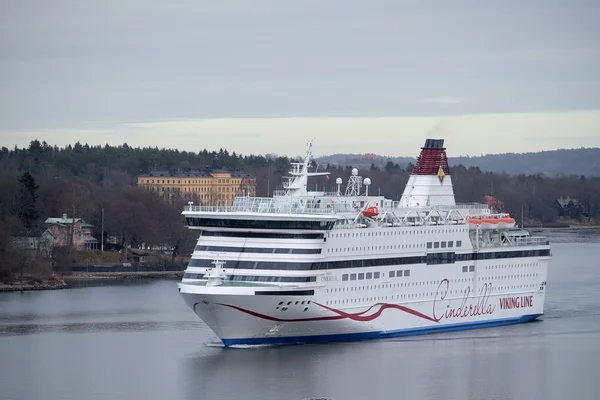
<point x="354" y="183"/>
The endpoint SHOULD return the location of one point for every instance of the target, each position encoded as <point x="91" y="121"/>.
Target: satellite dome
<point x="367" y="181"/>
<point x="338" y="181"/>
<point x="354" y="171"/>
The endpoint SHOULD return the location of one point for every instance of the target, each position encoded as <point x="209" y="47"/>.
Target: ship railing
<point x="332" y="194"/>
<point x="282" y="206"/>
<point x="531" y="241"/>
<point x="518" y="242"/>
<point x="282" y="193"/>
<point x="474" y="206"/>
<point x="319" y="205"/>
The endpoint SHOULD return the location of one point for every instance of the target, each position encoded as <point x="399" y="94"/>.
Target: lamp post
<point x="102" y="240"/>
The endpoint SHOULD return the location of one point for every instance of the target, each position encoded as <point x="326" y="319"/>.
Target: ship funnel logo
<point x="441" y="174"/>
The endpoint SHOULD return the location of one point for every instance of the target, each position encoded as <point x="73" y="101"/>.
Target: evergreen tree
<point x="28" y="212"/>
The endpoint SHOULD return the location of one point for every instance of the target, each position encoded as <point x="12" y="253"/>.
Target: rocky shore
<point x="27" y="286"/>
<point x="53" y="284"/>
<point x="124" y="275"/>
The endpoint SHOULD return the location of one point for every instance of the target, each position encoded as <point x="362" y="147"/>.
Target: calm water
<point x="139" y="341"/>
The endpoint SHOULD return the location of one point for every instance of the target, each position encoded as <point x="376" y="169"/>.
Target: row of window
<point x="259" y="224"/>
<point x="264" y="235"/>
<point x="432" y="258"/>
<point x="511" y="266"/>
<point x="415" y="284"/>
<point x="193" y="181"/>
<point x="270" y="265"/>
<point x="272" y="250"/>
<point x="399" y="274"/>
<point x="442" y="245"/>
<point x="440" y="258"/>
<point x="202" y="196"/>
<point x="468" y="268"/>
<point x="516" y="276"/>
<point x="385" y="232"/>
<point x="388" y="247"/>
<point x="361" y="276"/>
<point x="251" y="278"/>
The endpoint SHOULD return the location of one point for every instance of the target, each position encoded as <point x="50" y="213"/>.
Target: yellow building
<point x="215" y="187"/>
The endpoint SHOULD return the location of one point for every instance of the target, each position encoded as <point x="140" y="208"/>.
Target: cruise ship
<point x="306" y="266"/>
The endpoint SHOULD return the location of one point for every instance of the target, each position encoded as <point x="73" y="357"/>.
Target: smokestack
<point x="432" y="158"/>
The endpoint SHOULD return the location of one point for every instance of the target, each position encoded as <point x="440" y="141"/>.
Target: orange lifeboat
<point x="492" y="221"/>
<point x="371" y="212"/>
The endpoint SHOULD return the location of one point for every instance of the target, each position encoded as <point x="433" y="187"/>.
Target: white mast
<point x="354" y="184"/>
<point x="298" y="181"/>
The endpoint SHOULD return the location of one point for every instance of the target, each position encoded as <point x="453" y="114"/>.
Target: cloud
<point x="394" y="136"/>
<point x="443" y="100"/>
<point x="95" y="66"/>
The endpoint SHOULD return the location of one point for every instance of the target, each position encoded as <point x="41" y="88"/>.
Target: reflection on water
<point x="98" y="282"/>
<point x="575" y="235"/>
<point x="137" y="340"/>
<point x="29" y="329"/>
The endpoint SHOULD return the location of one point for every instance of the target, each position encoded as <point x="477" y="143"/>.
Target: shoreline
<point x="124" y="275"/>
<point x="565" y="228"/>
<point x="30" y="286"/>
<point x="85" y="276"/>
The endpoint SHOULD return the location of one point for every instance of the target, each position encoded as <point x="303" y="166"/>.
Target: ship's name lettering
<point x="469" y="307"/>
<point x="507" y="303"/>
<point x="328" y="278"/>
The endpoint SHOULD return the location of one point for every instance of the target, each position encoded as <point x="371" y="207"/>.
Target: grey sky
<point x="97" y="66"/>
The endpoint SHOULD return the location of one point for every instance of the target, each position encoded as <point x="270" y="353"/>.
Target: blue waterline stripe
<point x="381" y="334"/>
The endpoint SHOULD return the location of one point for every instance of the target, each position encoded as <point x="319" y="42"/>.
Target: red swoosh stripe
<point x="383" y="306"/>
<point x="340" y="314"/>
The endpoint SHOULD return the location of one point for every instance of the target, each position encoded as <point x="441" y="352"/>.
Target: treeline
<point x="133" y="216"/>
<point x="84" y="181"/>
<point x="584" y="161"/>
<point x="87" y="182"/>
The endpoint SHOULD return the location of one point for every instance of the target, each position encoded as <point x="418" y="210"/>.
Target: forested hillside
<point x="584" y="161"/>
<point x="83" y="180"/>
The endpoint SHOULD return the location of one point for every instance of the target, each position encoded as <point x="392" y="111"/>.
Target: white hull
<point x="242" y="318"/>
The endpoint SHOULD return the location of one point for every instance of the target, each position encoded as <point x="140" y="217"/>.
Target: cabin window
<point x="464" y="268"/>
<point x="345" y="277"/>
<point x="471" y="268"/>
<point x="436" y="245"/>
<point x="407" y="272"/>
<point x="259" y="224"/>
<point x="361" y="276"/>
<point x="352" y="277"/>
<point x="451" y="243"/>
<point x="376" y="275"/>
<point x="458" y="243"/>
<point x="392" y="274"/>
<point x="443" y="245"/>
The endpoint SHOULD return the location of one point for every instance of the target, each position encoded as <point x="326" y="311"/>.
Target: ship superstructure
<point x="313" y="266"/>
